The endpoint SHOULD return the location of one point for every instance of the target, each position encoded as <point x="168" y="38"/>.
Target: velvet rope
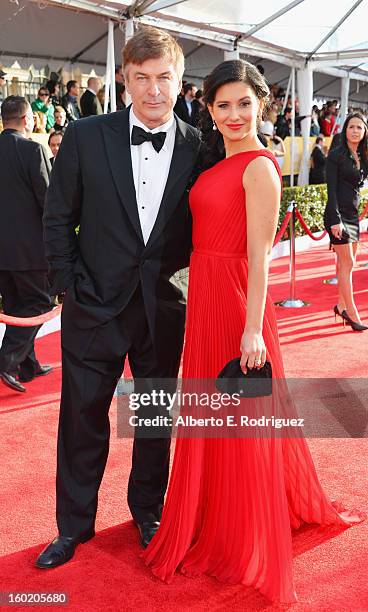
<point x="306" y="228"/>
<point x="364" y="211"/>
<point x="48" y="316"/>
<point x="30" y="321"/>
<point x="282" y="229"/>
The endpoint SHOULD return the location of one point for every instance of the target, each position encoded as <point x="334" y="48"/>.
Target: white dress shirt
<point x="150" y="172"/>
<point x="189" y="107"/>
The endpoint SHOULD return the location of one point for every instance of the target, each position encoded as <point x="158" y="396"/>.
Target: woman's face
<point x="235" y="110"/>
<point x="355" y="131"/>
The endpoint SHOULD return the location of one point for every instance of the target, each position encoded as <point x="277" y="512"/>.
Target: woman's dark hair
<point x="51" y="85"/>
<point x="319" y="139"/>
<point x="231" y="71"/>
<point x="363" y="145"/>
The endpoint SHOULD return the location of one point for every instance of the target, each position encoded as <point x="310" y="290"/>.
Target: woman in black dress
<point x="347" y="167"/>
<point x="317" y="173"/>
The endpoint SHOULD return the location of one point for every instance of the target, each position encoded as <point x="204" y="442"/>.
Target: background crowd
<point x="57" y="105"/>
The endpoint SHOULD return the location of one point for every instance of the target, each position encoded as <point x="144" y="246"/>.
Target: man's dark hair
<point x="188" y="87"/>
<point x="71" y="84"/>
<point x="288" y="109"/>
<point x="53" y="134"/>
<point x="14" y="108"/>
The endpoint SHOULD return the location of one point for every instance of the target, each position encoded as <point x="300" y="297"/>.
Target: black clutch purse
<point x="255" y="383"/>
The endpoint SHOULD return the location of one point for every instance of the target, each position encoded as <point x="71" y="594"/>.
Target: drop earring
<point x="214" y="126"/>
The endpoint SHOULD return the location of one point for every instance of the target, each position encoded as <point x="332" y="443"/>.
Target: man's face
<point x="74" y="91"/>
<point x="192" y="93"/>
<point x="95" y="85"/>
<point x="154" y="88"/>
<point x="55" y="142"/>
<point x="119" y="77"/>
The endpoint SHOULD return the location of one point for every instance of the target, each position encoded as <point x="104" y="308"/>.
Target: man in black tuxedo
<point x="184" y="107"/>
<point x="89" y="102"/>
<point x="24" y="178"/>
<point x="123" y="179"/>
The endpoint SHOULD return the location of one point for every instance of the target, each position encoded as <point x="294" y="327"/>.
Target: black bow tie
<point x="139" y="136"/>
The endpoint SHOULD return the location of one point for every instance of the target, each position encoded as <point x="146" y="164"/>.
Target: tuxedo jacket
<point x="24" y="178"/>
<point x="101" y="266"/>
<point x="90" y="104"/>
<point x="181" y="110"/>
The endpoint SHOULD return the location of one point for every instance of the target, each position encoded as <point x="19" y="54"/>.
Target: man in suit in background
<point x="89" y="102"/>
<point x="122" y="276"/>
<point x="119" y="89"/>
<point x="184" y="107"/>
<point x="2" y="83"/>
<point x="70" y="101"/>
<point x="24" y="178"/>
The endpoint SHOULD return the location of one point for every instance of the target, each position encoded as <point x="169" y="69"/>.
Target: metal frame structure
<point x="340" y="64"/>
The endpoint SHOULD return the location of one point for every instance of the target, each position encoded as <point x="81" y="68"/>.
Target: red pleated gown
<point x="232" y="503"/>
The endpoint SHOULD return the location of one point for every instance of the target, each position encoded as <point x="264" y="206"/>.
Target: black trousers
<point x="24" y="294"/>
<point x="88" y="384"/>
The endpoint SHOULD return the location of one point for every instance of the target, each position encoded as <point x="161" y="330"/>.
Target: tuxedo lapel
<point x="117" y="142"/>
<point x="181" y="166"/>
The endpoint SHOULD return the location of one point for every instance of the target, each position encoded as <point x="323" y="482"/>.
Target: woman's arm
<point x="263" y="190"/>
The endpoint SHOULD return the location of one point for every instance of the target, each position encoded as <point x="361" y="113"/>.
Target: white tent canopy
<point x="324" y="45"/>
<point x="73" y="34"/>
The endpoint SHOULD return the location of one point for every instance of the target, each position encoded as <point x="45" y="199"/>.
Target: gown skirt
<point x="232" y="503"/>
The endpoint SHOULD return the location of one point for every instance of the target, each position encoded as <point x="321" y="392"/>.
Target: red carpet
<point x="106" y="573"/>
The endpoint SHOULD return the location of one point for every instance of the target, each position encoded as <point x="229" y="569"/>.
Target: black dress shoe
<point x="147" y="531"/>
<point x="46" y="369"/>
<point x="10" y="381"/>
<point x="60" y="551"/>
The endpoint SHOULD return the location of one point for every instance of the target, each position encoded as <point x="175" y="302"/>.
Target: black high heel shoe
<point x="339" y="314"/>
<point x="353" y="324"/>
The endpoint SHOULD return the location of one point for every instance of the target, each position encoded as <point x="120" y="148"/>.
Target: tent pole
<point x="305" y="93"/>
<point x="292" y="150"/>
<point x="287" y="92"/>
<point x="129" y="33"/>
<point x="345" y="84"/>
<point x="110" y="93"/>
<point x="234" y="53"/>
<point x="231" y="55"/>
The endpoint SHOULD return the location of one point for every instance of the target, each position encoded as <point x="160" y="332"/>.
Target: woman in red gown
<point x="232" y="502"/>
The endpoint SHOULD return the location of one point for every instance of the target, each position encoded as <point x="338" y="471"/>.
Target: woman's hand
<point x="337" y="230"/>
<point x="253" y="350"/>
